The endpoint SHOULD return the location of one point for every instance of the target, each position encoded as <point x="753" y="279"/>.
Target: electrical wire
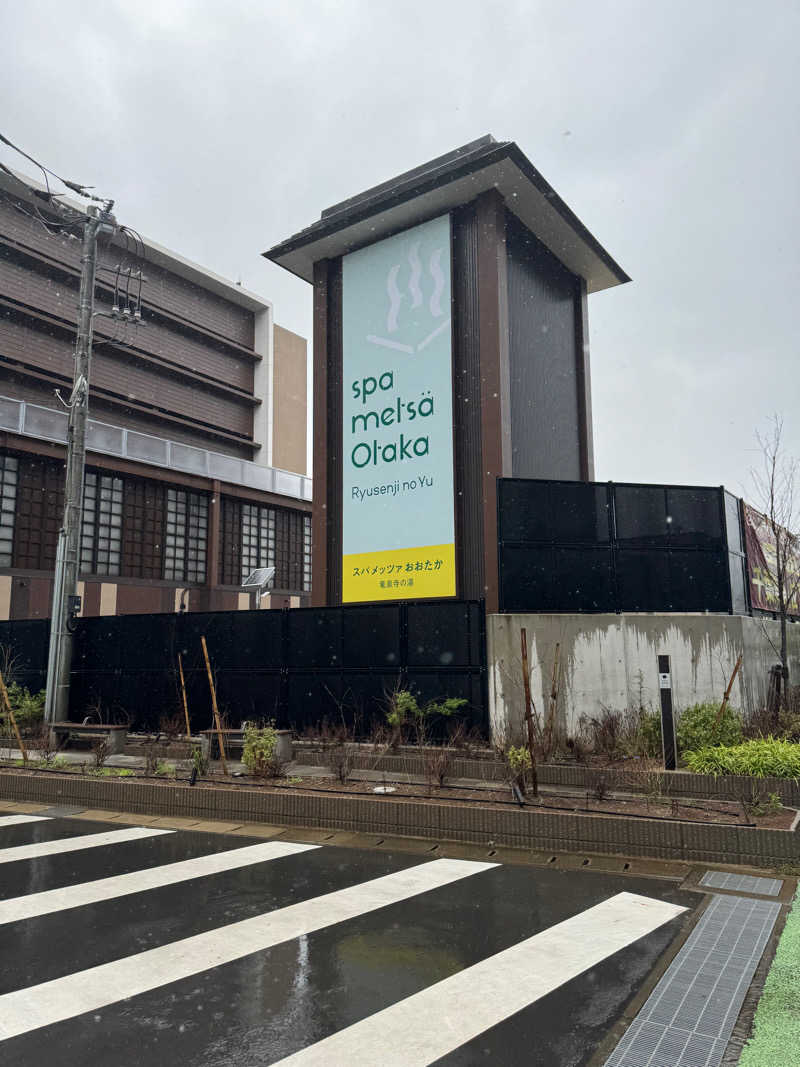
<point x="142" y="257"/>
<point x="76" y="187"/>
<point x="53" y="229"/>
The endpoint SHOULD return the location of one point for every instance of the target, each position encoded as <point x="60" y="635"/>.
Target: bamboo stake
<point x="551" y="713"/>
<point x="183" y="693"/>
<point x="724" y="704"/>
<point x="10" y="710"/>
<point x="217" y="722"/>
<point x="526" y="683"/>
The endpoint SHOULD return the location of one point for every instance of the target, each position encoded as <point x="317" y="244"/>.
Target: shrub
<point x="650" y="730"/>
<point x="100" y="751"/>
<point x="641" y="734"/>
<point x="200" y="762"/>
<point x="766" y="757"/>
<point x="600" y="783"/>
<point x="403" y="711"/>
<point x="260" y="743"/>
<point x="697" y="727"/>
<point x="340" y="760"/>
<point x="519" y="765"/>
<point x="606" y="732"/>
<point x="769" y="805"/>
<point x="28" y="707"/>
<point x="438" y="765"/>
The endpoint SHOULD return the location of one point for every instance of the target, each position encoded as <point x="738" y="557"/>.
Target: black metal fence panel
<point x="603" y="547"/>
<point x="298" y="666"/>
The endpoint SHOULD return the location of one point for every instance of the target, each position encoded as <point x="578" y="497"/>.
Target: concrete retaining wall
<point x="610" y="661"/>
<point x="476" y="824"/>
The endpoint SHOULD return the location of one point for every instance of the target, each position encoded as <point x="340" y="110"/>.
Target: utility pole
<point x="65" y="585"/>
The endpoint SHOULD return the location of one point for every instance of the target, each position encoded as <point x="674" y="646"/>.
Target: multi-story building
<point x="196" y="470"/>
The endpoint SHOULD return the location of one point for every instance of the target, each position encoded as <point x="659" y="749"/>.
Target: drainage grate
<point x="742" y="883"/>
<point x="688" y="1018"/>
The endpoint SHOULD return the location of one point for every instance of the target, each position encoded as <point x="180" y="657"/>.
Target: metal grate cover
<point x="688" y="1018"/>
<point x="742" y="883"/>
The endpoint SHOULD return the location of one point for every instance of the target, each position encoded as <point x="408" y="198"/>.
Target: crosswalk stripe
<point x="75" y="896"/>
<point x="17" y="820"/>
<point x="64" y="998"/>
<point x="75" y="844"/>
<point x="434" y="1022"/>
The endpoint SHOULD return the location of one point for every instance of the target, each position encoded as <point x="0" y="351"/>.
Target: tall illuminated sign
<point x="398" y="539"/>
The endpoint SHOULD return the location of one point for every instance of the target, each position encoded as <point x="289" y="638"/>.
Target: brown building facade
<point x="196" y="471"/>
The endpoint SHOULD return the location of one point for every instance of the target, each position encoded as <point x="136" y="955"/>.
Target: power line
<point x="76" y="187"/>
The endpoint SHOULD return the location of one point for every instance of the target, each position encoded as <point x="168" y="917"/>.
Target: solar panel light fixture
<point x="260" y="579"/>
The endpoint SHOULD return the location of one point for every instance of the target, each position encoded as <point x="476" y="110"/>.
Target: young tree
<point x="776" y="492"/>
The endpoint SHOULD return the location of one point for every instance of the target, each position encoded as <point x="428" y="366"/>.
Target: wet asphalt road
<point x="271" y="1002"/>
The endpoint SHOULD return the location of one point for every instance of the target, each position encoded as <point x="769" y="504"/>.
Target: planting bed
<point x="557" y="823"/>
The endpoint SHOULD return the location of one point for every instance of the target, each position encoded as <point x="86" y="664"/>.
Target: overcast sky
<point x="671" y="128"/>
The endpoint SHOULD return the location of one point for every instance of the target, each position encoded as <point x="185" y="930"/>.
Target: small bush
<point x="340" y="760"/>
<point x="641" y="734"/>
<point x="260" y="743"/>
<point x="28" y="707"/>
<point x="769" y="805"/>
<point x="519" y="765"/>
<point x="767" y="757"/>
<point x="404" y="712"/>
<point x="54" y="763"/>
<point x="789" y="725"/>
<point x="154" y="751"/>
<point x="45" y="744"/>
<point x="606" y="732"/>
<point x="650" y="732"/>
<point x="200" y="761"/>
<point x="100" y="751"/>
<point x="438" y="765"/>
<point x="697" y="727"/>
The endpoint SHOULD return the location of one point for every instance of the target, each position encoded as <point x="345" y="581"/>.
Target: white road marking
<point x="75" y="844"/>
<point x="16" y="820"/>
<point x="64" y="998"/>
<point x="428" y="1025"/>
<point x="76" y="896"/>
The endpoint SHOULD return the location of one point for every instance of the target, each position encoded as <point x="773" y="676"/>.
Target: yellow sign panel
<point x="400" y="574"/>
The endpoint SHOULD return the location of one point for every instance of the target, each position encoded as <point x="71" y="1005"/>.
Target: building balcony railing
<point x="47" y="424"/>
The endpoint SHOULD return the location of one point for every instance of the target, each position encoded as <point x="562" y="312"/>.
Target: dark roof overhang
<point x="436" y="188"/>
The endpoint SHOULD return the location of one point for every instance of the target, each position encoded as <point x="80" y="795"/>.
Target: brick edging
<point x="382" y="815"/>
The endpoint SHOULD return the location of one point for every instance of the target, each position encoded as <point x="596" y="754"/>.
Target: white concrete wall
<point x="610" y="661"/>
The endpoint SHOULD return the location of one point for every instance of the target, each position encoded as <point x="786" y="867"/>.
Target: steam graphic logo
<point x="430" y="315"/>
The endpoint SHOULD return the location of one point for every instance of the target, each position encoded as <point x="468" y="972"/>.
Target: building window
<point x="101" y="531"/>
<point x="8" y="502"/>
<point x="186" y="537"/>
<point x="306" y="553"/>
<point x="40" y="510"/>
<point x="289" y="550"/>
<point x="258" y="538"/>
<point x="143" y="528"/>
